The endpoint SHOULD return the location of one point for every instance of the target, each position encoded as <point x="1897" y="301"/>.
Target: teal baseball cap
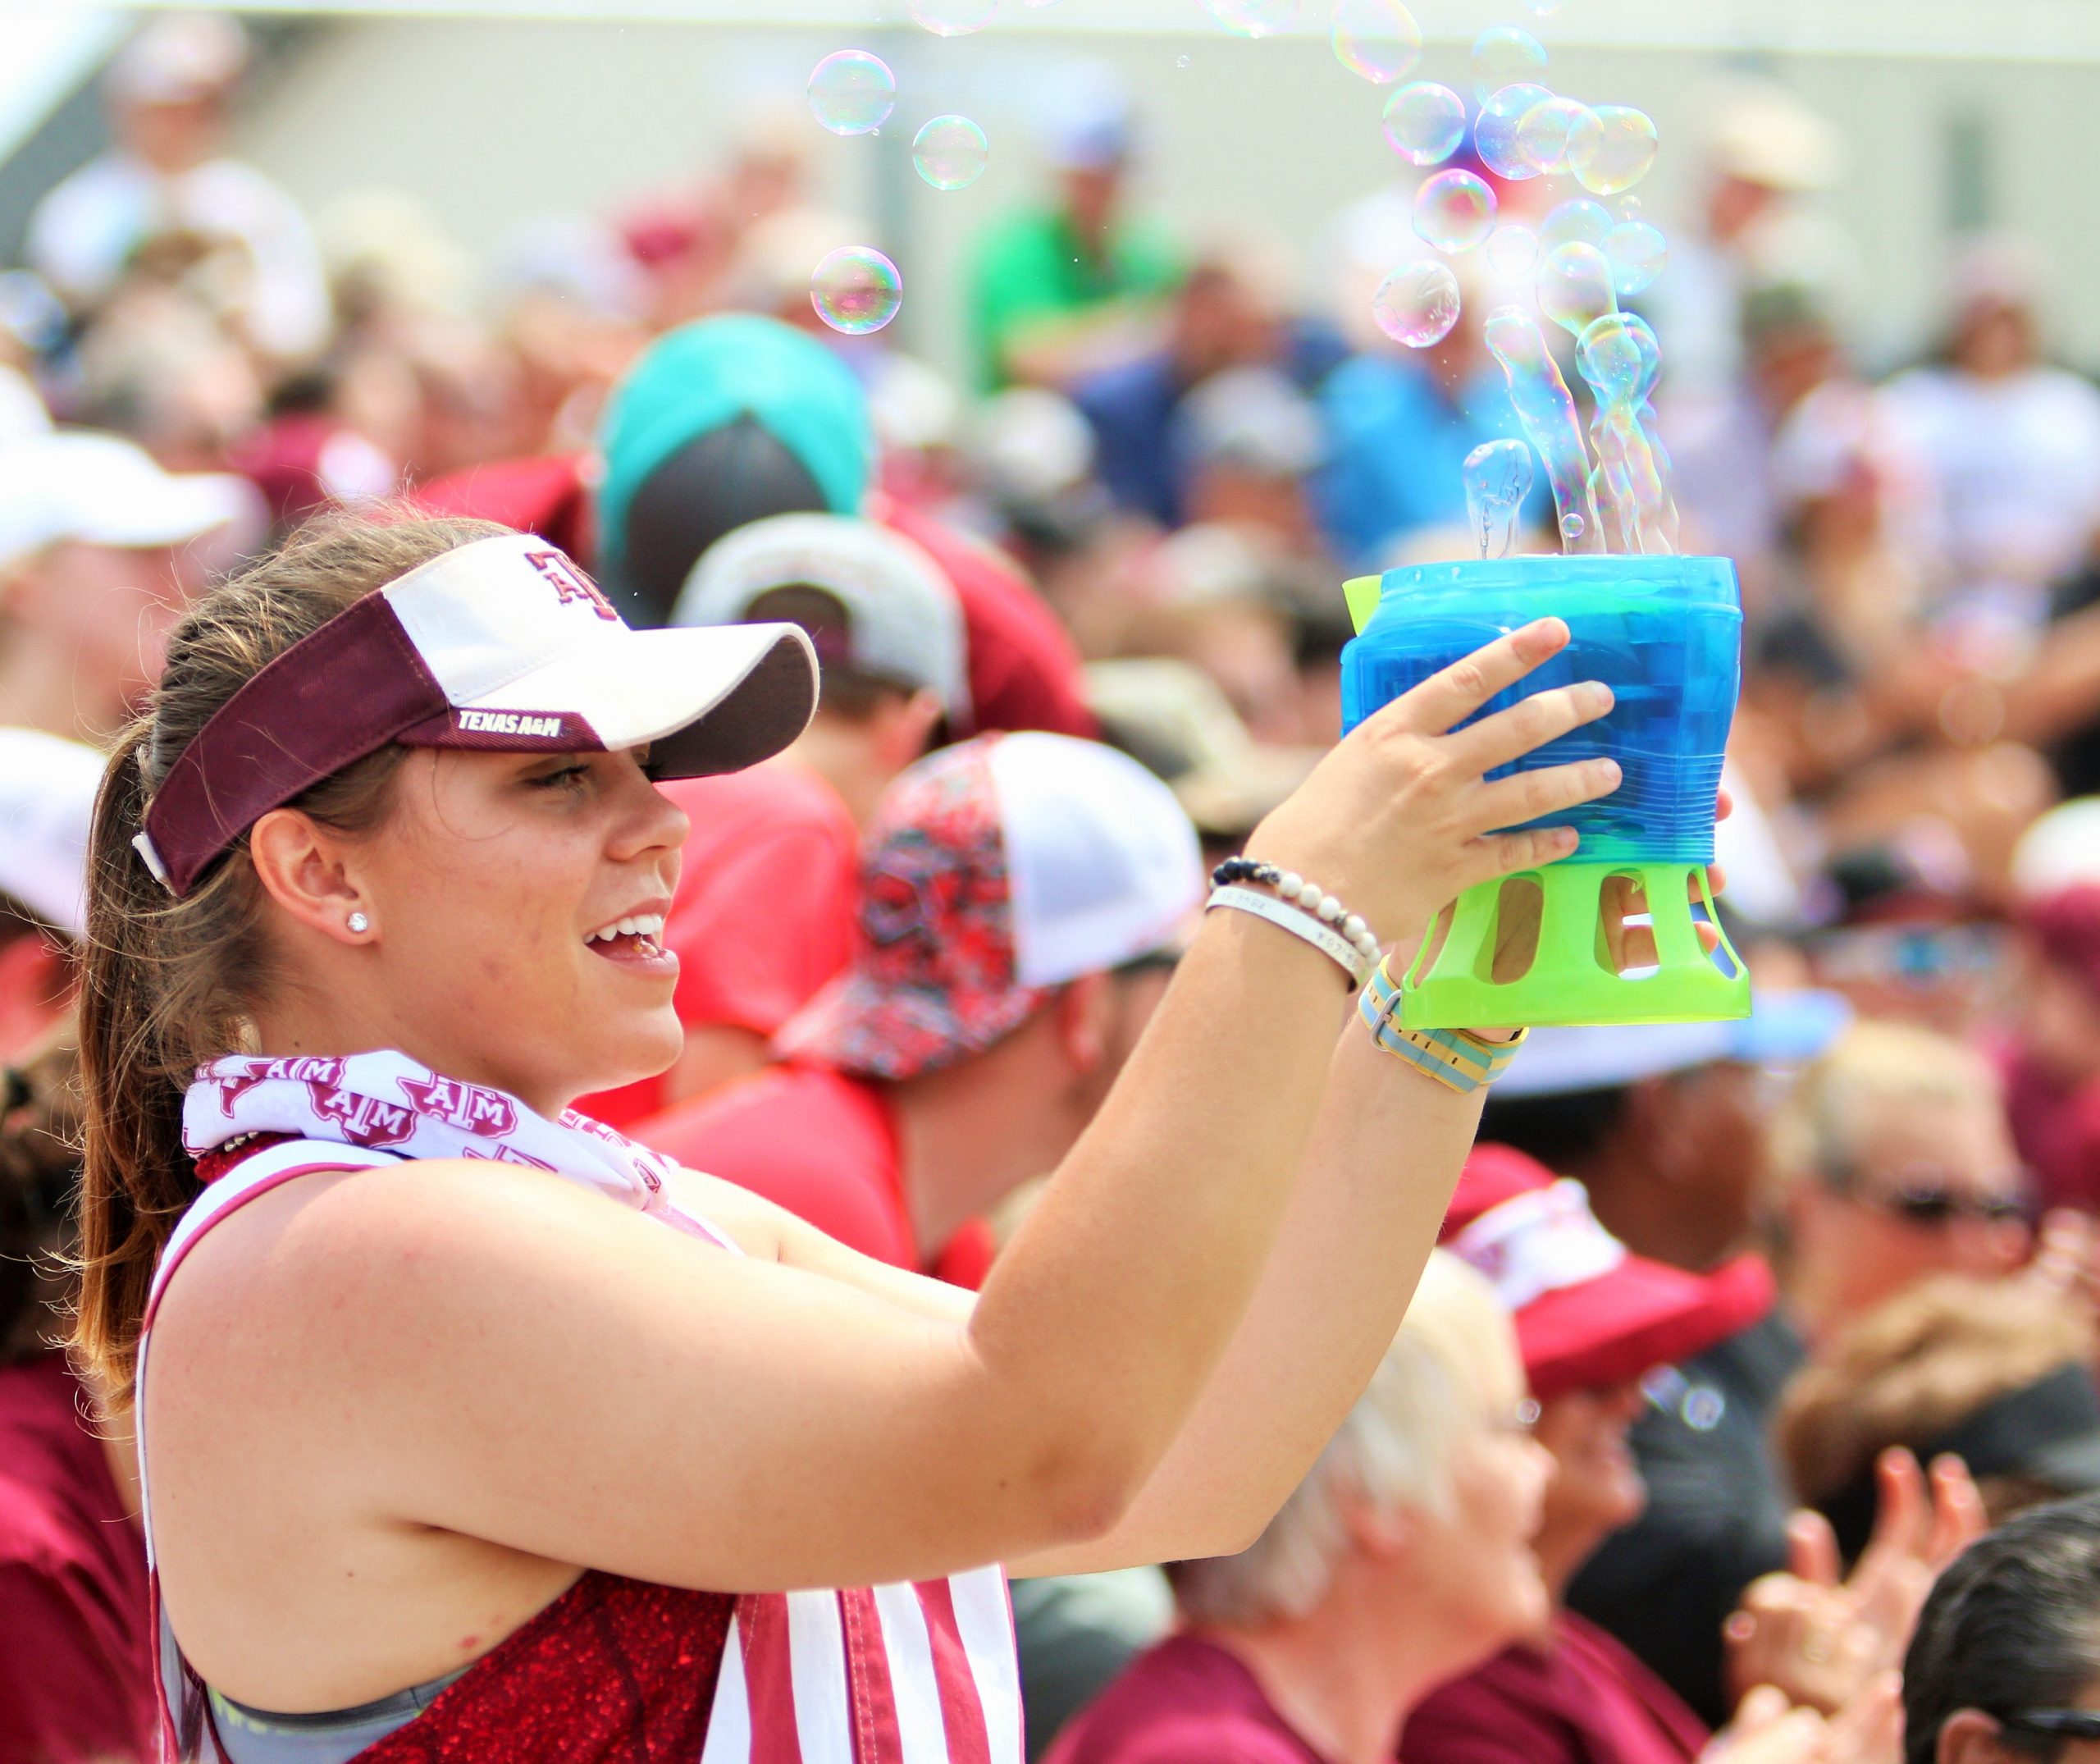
<point x="753" y="417"/>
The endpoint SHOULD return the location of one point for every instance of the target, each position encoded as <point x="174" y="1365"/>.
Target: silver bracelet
<point x="1355" y="956"/>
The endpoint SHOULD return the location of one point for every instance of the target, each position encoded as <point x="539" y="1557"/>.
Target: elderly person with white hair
<point x="1403" y="1558"/>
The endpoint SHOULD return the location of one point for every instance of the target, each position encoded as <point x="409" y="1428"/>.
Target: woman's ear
<point x="1380" y="1532"/>
<point x="1968" y="1736"/>
<point x="301" y="865"/>
<point x="1084" y="1008"/>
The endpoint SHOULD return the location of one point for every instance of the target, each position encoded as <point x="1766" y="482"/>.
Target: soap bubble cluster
<point x="1417" y="304"/>
<point x="1612" y="149"/>
<point x="1495" y="130"/>
<point x="856" y="289"/>
<point x="852" y="92"/>
<point x="950" y="153"/>
<point x="1377" y="38"/>
<point x="1636" y="253"/>
<point x="1425" y="122"/>
<point x="1504" y="56"/>
<point x="1454" y="211"/>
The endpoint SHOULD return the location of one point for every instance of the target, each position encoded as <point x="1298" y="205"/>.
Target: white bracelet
<point x="1348" y="956"/>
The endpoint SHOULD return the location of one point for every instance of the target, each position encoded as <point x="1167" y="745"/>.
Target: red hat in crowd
<point x="2066" y="926"/>
<point x="1589" y="1313"/>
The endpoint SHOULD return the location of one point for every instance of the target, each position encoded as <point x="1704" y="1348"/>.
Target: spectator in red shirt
<point x="1402" y="1557"/>
<point x="2052" y="1069"/>
<point x="764" y="913"/>
<point x="76" y="1668"/>
<point x="730" y="419"/>
<point x="1591" y="1319"/>
<point x="1018" y="893"/>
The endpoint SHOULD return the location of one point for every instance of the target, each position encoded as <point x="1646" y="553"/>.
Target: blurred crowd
<point x="1741" y="1334"/>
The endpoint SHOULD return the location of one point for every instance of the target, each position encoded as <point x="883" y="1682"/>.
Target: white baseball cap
<point x="502" y="645"/>
<point x="102" y="490"/>
<point x="1784" y="1028"/>
<point x="48" y="789"/>
<point x="903" y="623"/>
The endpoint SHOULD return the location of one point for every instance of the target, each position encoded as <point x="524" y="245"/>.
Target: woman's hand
<point x="1400" y="820"/>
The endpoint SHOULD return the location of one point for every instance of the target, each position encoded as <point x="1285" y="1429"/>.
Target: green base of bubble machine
<point x="1570" y="979"/>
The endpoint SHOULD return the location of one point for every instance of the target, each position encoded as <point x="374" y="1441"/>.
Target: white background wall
<point x="494" y="120"/>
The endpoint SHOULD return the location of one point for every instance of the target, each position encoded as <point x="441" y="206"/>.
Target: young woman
<point x="451" y="1447"/>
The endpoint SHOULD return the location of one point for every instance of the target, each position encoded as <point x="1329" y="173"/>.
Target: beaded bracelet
<point x="1302" y="908"/>
<point x="1453" y="1057"/>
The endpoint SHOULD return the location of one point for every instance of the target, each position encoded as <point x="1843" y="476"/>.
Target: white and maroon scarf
<point x="387" y="1102"/>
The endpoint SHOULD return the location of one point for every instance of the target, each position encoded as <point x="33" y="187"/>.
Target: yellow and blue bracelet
<point x="1452" y="1057"/>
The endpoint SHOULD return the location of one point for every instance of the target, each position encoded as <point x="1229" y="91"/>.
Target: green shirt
<point x="1028" y="269"/>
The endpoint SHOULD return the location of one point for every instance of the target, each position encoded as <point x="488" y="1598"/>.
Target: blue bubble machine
<point x="1665" y="634"/>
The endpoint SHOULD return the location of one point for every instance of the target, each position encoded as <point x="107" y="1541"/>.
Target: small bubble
<point x="1454" y="211"/>
<point x="852" y="91"/>
<point x="950" y="153"/>
<point x="1180" y="60"/>
<point x="1498" y="478"/>
<point x="1575" y="287"/>
<point x="856" y="289"/>
<point x="952" y="18"/>
<point x="1542" y="135"/>
<point x="1417" y="304"/>
<point x="1495" y="130"/>
<point x="1578" y="219"/>
<point x="1425" y="122"/>
<point x="1541" y="8"/>
<point x="1571" y="526"/>
<point x="1704" y="1406"/>
<point x="1629" y="208"/>
<point x="1503" y="55"/>
<point x="1512" y="252"/>
<point x="1377" y="38"/>
<point x="1613" y="150"/>
<point x="1636" y="253"/>
<point x="1254" y="18"/>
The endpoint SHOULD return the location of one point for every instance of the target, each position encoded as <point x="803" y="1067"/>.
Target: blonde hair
<point x="1913" y="1369"/>
<point x="168" y="984"/>
<point x="1875" y="1067"/>
<point x="1394" y="1450"/>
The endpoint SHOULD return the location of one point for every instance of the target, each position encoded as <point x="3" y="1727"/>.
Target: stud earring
<point x="359" y="922"/>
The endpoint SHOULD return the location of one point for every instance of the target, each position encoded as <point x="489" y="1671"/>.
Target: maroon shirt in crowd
<point x="76" y="1665"/>
<point x="1186" y="1702"/>
<point x="1583" y="1700"/>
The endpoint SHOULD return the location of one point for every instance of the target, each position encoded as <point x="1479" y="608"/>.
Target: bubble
<point x="950" y="153"/>
<point x="1613" y="356"/>
<point x="1454" y="211"/>
<point x="1417" y="304"/>
<point x="1577" y="219"/>
<point x="1613" y="152"/>
<point x="1254" y="18"/>
<point x="1629" y="208"/>
<point x="952" y="18"/>
<point x="852" y="91"/>
<point x="1504" y="55"/>
<point x="1498" y="476"/>
<point x="1575" y="288"/>
<point x="1512" y="252"/>
<point x="1495" y="130"/>
<point x="1180" y="60"/>
<point x="1636" y="253"/>
<point x="1425" y="122"/>
<point x="1377" y="39"/>
<point x="1543" y="133"/>
<point x="856" y="289"/>
<point x="1571" y="526"/>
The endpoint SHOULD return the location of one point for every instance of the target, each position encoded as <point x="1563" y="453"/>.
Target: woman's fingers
<point x="1528" y="724"/>
<point x="1503" y="854"/>
<point x="1453" y="694"/>
<point x="1526" y="796"/>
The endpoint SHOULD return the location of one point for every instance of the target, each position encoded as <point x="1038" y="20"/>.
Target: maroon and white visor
<point x="502" y="645"/>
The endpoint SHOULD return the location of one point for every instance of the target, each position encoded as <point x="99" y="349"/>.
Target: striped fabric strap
<point x="1453" y="1058"/>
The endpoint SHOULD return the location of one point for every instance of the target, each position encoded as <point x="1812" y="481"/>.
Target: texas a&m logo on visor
<point x="570" y="583"/>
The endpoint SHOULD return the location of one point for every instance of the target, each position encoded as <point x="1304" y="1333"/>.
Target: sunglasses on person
<point x="1923" y="1195"/>
<point x="2058" y="1724"/>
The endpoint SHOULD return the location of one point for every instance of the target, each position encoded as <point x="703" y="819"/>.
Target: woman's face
<point x="1596" y="1487"/>
<point x="1477" y="1570"/>
<point x="488" y="885"/>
